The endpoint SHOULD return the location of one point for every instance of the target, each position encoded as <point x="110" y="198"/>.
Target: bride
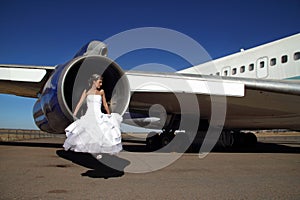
<point x="95" y="132"/>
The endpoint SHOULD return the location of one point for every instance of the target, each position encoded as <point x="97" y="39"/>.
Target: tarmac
<point x="41" y="169"/>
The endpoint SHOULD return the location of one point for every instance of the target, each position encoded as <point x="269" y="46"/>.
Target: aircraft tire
<point x="250" y="139"/>
<point x="153" y="141"/>
<point x="166" y="138"/>
<point x="239" y="139"/>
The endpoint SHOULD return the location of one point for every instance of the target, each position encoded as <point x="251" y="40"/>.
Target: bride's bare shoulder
<point x="101" y="91"/>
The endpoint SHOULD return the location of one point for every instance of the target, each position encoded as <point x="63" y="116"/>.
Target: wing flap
<point x="19" y="74"/>
<point x="183" y="83"/>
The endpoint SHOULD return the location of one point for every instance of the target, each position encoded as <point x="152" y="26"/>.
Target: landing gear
<point x="166" y="138"/>
<point x="244" y="139"/>
<point x="156" y="141"/>
<point x="251" y="139"/>
<point x="234" y="139"/>
<point x="180" y="142"/>
<point x="153" y="141"/>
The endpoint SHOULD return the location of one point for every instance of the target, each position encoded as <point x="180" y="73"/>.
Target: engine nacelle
<point x="54" y="108"/>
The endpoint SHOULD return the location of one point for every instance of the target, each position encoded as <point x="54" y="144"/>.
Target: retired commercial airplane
<point x="258" y="88"/>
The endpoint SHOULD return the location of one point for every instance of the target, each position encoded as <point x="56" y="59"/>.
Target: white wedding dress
<point x="95" y="132"/>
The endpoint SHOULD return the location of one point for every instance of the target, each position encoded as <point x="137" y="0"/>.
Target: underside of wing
<point x="254" y="103"/>
<point x="261" y="109"/>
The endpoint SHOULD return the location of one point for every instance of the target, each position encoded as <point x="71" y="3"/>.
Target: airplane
<point x="253" y="89"/>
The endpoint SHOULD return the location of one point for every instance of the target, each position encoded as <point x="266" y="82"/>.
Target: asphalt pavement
<point x="41" y="169"/>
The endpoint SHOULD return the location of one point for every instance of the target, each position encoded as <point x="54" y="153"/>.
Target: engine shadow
<point x="107" y="167"/>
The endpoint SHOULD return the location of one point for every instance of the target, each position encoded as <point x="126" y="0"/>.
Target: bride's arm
<point x="80" y="102"/>
<point x="104" y="102"/>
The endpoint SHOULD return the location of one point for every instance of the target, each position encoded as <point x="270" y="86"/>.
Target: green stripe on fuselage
<point x="294" y="78"/>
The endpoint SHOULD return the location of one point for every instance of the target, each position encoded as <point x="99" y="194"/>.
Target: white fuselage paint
<point x="275" y="60"/>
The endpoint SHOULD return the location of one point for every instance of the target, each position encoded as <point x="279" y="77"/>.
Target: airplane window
<point x="242" y="69"/>
<point x="218" y="73"/>
<point x="284" y="59"/>
<point x="225" y="73"/>
<point x="273" y="61"/>
<point x="251" y="67"/>
<point x="233" y="71"/>
<point x="297" y="56"/>
<point x="262" y="64"/>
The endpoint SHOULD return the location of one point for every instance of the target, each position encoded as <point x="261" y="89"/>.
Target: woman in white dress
<point x="95" y="132"/>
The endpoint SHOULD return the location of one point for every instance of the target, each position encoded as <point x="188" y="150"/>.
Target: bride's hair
<point x="93" y="78"/>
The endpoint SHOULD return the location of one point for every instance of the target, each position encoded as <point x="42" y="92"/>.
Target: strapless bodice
<point x="94" y="103"/>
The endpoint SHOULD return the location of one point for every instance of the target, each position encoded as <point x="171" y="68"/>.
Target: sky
<point x="51" y="32"/>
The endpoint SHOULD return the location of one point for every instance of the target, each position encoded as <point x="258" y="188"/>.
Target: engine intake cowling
<point x="54" y="108"/>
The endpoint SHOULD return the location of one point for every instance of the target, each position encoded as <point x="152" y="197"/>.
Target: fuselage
<point x="279" y="59"/>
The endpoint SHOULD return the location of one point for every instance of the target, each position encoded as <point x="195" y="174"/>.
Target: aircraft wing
<point x="23" y="80"/>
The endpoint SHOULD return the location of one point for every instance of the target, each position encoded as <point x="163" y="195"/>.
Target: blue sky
<point x="51" y="32"/>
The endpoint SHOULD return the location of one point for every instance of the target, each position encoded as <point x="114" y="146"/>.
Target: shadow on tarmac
<point x="107" y="167"/>
<point x="260" y="147"/>
<point x="110" y="166"/>
<point x="32" y="144"/>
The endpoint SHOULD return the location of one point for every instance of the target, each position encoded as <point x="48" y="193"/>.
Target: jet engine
<point x="53" y="111"/>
